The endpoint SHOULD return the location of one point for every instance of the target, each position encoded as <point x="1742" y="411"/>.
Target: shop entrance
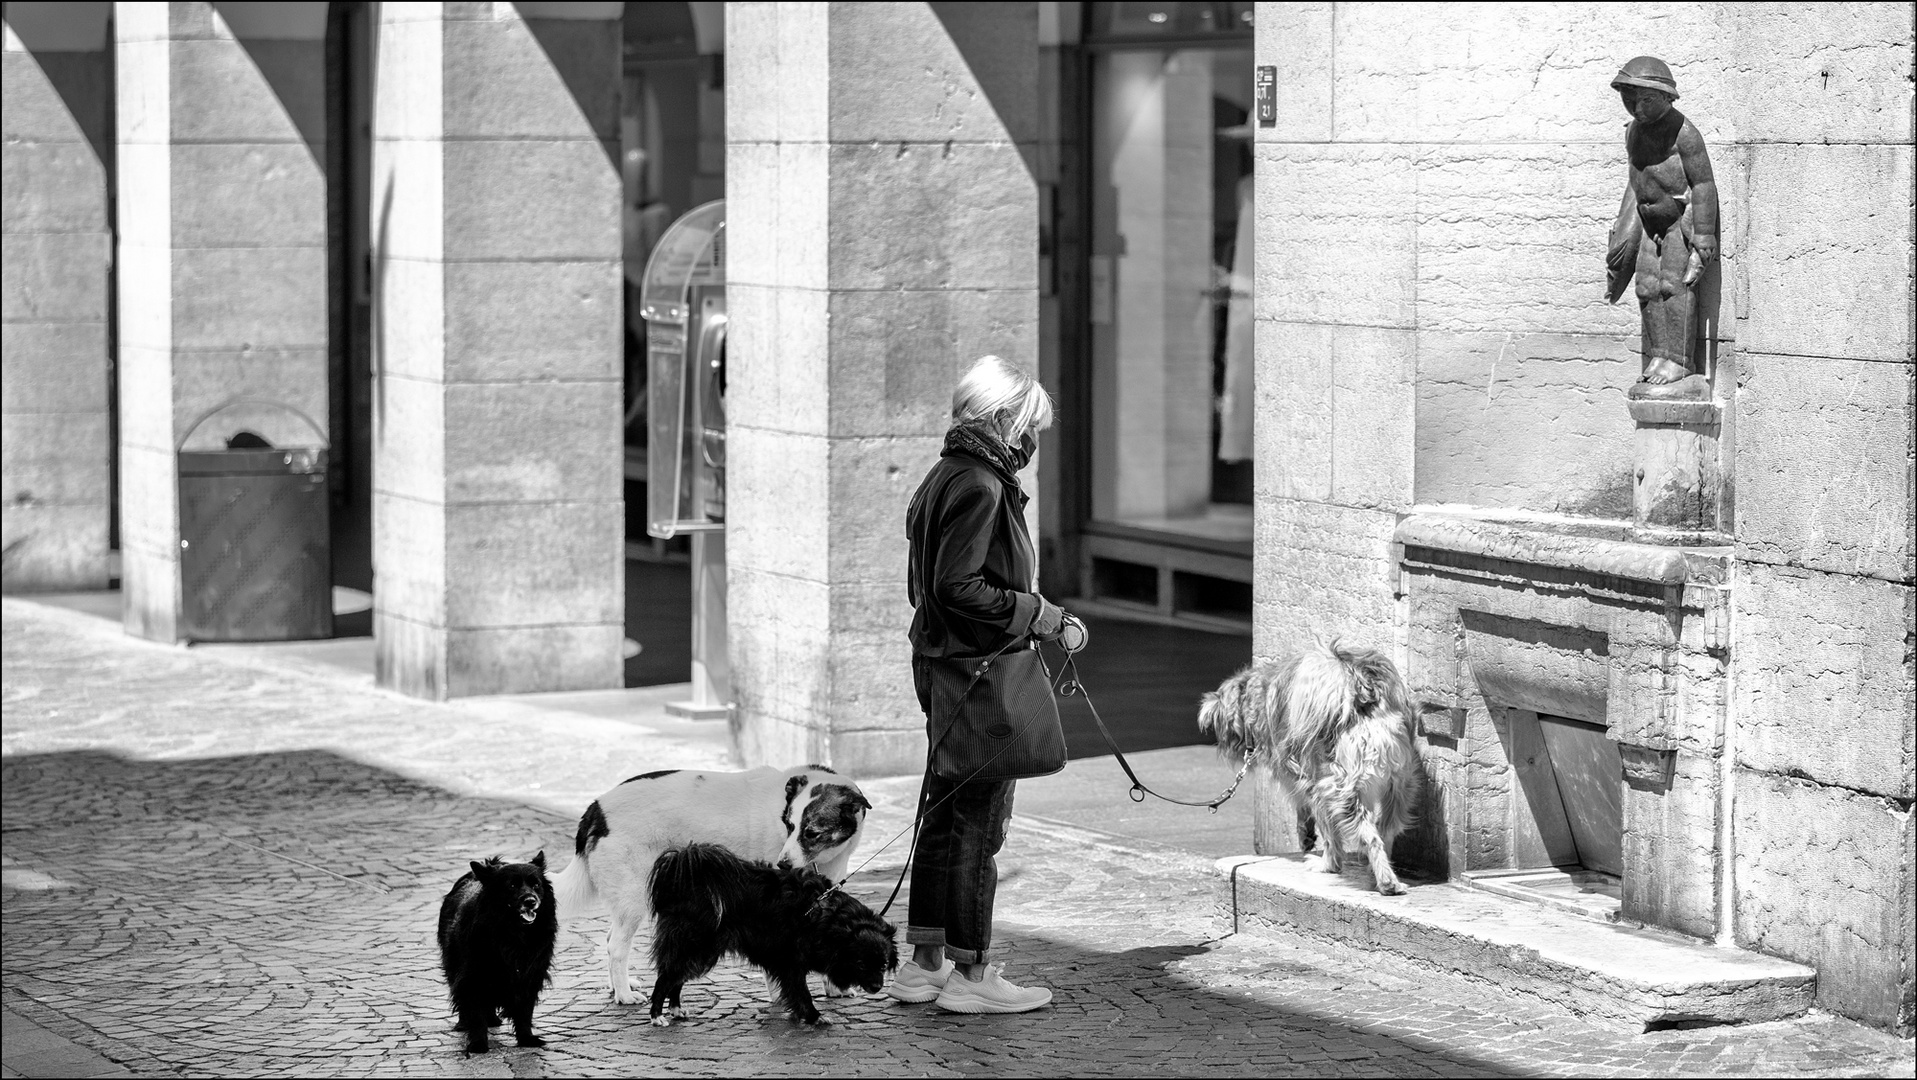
<point x="1152" y="347"/>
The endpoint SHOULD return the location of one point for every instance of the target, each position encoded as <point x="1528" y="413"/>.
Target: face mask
<point x="1027" y="446"/>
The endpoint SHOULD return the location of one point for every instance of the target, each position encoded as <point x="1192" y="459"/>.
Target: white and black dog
<point x="1333" y="725"/>
<point x="810" y="818"/>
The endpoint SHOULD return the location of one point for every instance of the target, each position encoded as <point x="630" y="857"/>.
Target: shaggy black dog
<point x="496" y="932"/>
<point x="708" y="902"/>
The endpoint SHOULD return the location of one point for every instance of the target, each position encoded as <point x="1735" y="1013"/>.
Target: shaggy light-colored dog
<point x="808" y="817"/>
<point x="1333" y="724"/>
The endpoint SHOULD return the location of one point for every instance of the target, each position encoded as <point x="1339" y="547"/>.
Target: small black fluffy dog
<point x="708" y="902"/>
<point x="496" y="932"/>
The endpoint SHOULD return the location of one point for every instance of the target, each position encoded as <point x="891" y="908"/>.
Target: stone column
<point x="56" y="445"/>
<point x="222" y="273"/>
<point x="882" y="222"/>
<point x="498" y="516"/>
<point x="1336" y="344"/>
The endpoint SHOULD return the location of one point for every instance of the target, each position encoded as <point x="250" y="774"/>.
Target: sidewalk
<point x="229" y="861"/>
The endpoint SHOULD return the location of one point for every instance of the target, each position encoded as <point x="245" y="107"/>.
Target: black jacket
<point x="971" y="562"/>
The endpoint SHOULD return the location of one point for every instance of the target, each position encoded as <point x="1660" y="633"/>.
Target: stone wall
<point x="1431" y="330"/>
<point x="55" y="448"/>
<point x="882" y="220"/>
<point x="498" y="516"/>
<point x="222" y="257"/>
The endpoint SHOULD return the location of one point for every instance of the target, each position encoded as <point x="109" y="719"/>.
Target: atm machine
<point x="683" y="300"/>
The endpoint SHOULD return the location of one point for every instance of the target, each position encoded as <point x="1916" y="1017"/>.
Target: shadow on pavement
<point x="276" y="912"/>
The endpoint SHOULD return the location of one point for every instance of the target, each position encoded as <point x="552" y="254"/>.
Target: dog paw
<point x="1320" y="864"/>
<point x="531" y="1040"/>
<point x="476" y="1046"/>
<point x="625" y="997"/>
<point x="662" y="1021"/>
<point x="1391" y="887"/>
<point x="834" y="990"/>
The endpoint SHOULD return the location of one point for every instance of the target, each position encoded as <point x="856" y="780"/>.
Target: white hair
<point x="1001" y="395"/>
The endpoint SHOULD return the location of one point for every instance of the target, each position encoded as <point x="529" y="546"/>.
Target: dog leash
<point x="1064" y="687"/>
<point x="1067" y="687"/>
<point x="924" y="786"/>
<point x="913" y="828"/>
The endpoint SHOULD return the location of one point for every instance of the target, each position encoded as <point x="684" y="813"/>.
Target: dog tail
<point x="1333" y="686"/>
<point x="573" y="892"/>
<point x="1317" y="701"/>
<point x="694" y="881"/>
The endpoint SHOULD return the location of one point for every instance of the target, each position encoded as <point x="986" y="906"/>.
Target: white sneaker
<point x="992" y="994"/>
<point x="914" y="984"/>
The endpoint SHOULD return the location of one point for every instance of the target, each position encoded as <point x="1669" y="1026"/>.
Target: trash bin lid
<point x="251" y="462"/>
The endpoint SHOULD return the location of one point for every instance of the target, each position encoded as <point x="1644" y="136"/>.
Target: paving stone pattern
<point x="271" y="912"/>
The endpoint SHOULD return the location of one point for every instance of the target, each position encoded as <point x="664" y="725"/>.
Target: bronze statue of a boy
<point x="1666" y="231"/>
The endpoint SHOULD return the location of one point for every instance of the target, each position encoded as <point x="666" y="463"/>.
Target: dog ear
<point x="859" y="796"/>
<point x="481" y="870"/>
<point x="539" y="860"/>
<point x="792" y="788"/>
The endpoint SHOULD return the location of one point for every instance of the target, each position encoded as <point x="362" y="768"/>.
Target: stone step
<point x="1585" y="966"/>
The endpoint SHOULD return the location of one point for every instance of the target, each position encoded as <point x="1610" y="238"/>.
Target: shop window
<point x="1170" y="269"/>
<point x="1148" y="21"/>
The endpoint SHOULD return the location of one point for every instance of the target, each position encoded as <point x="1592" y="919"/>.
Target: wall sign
<point x="1266" y="82"/>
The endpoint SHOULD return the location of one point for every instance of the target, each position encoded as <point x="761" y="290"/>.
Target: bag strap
<point x="925" y="781"/>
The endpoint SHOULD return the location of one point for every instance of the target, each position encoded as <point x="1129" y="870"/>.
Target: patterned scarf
<point x="975" y="440"/>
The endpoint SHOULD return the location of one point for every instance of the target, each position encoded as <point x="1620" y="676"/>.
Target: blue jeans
<point x="954" y="874"/>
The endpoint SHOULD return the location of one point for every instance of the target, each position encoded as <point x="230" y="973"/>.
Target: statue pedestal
<point x="1679" y="475"/>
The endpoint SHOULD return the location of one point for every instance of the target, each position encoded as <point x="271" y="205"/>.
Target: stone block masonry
<point x="222" y="260"/>
<point x="55" y="445"/>
<point x="1432" y="204"/>
<point x="884" y="235"/>
<point x="498" y="513"/>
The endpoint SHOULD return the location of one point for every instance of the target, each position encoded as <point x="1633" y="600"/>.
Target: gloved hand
<point x="1049" y="620"/>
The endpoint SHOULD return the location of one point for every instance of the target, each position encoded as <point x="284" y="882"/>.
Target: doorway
<point x="672" y="159"/>
<point x="349" y="185"/>
<point x="1169" y="294"/>
<point x="1151" y="345"/>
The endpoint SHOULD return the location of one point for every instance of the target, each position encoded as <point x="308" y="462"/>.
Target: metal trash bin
<point x="255" y="545"/>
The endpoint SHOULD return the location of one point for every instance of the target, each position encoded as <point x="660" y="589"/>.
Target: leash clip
<point x="826" y="893"/>
<point x="1138" y="793"/>
<point x="1235" y="781"/>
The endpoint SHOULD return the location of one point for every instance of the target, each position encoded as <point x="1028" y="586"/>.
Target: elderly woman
<point x="970" y="579"/>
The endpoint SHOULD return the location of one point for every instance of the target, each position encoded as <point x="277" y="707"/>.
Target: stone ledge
<point x="1582" y="547"/>
<point x="1586" y="967"/>
<point x="1677" y="413"/>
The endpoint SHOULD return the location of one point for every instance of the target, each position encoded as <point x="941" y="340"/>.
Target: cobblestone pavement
<point x="187" y="893"/>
